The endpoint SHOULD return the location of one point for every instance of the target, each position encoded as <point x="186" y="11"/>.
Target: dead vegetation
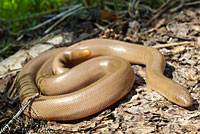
<point x="142" y="111"/>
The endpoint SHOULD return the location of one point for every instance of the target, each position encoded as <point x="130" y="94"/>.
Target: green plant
<point x="13" y="11"/>
<point x="17" y="15"/>
<point x="3" y="45"/>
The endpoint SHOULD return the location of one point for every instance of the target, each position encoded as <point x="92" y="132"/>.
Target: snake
<point x="85" y="78"/>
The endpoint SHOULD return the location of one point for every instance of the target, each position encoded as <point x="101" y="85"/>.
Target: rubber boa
<point x="89" y="76"/>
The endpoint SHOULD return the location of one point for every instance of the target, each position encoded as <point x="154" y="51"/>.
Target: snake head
<point x="182" y="97"/>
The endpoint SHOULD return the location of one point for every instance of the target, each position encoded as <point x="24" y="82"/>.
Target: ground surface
<point x="142" y="111"/>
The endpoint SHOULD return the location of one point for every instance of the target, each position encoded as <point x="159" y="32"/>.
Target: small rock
<point x="190" y="128"/>
<point x="180" y="30"/>
<point x="192" y="62"/>
<point x="165" y="51"/>
<point x="191" y="83"/>
<point x="192" y="73"/>
<point x="198" y="67"/>
<point x="195" y="28"/>
<point x="134" y="110"/>
<point x="178" y="49"/>
<point x="186" y="56"/>
<point x="190" y="13"/>
<point x="56" y="40"/>
<point x="198" y="42"/>
<point x="134" y="25"/>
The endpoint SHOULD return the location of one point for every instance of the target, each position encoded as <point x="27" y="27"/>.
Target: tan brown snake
<point x="93" y="85"/>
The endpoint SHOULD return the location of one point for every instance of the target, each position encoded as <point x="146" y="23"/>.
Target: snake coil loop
<point x="100" y="76"/>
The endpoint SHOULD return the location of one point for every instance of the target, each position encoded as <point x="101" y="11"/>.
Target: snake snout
<point x="184" y="99"/>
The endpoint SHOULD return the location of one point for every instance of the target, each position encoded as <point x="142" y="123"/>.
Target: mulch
<point x="142" y="111"/>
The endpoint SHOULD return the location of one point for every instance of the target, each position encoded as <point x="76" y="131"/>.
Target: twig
<point x="163" y="5"/>
<point x="83" y="38"/>
<point x="54" y="18"/>
<point x="159" y="12"/>
<point x="190" y="23"/>
<point x="10" y="72"/>
<point x="178" y="6"/>
<point x="132" y="6"/>
<point x="192" y="3"/>
<point x="6" y="47"/>
<point x="89" y="35"/>
<point x="40" y="14"/>
<point x="19" y="112"/>
<point x="10" y="44"/>
<point x="173" y="44"/>
<point x="99" y="26"/>
<point x="61" y="19"/>
<point x="12" y="90"/>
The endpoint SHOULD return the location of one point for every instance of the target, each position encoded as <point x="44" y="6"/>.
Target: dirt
<point x="142" y="111"/>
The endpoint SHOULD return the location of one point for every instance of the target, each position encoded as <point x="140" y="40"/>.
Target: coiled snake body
<point x="72" y="91"/>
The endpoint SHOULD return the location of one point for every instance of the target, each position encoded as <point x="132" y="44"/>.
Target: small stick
<point x="161" y="10"/>
<point x="172" y="44"/>
<point x="192" y="3"/>
<point x="61" y="19"/>
<point x="12" y="90"/>
<point x="10" y="72"/>
<point x="132" y="5"/>
<point x="54" y="18"/>
<point x="190" y="23"/>
<point x="19" y="112"/>
<point x="6" y="47"/>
